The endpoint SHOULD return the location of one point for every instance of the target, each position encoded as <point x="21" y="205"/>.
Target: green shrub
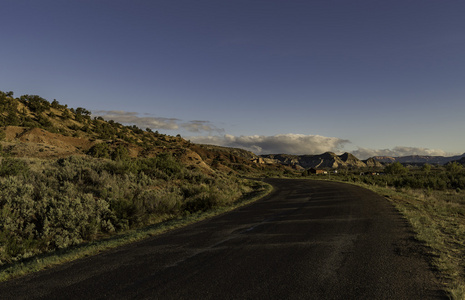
<point x="396" y="169"/>
<point x="13" y="167"/>
<point x="75" y="199"/>
<point x="35" y="103"/>
<point x="101" y="150"/>
<point x="120" y="153"/>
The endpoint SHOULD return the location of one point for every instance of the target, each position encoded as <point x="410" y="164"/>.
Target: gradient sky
<point x="304" y="77"/>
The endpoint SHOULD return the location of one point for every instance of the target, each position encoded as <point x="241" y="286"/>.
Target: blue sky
<point x="303" y="77"/>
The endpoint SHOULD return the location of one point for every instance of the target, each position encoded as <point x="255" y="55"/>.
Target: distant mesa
<point x="327" y="160"/>
<point x="330" y="160"/>
<point x="384" y="159"/>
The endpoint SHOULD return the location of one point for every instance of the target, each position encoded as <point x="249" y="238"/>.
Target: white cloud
<point x="125" y="117"/>
<point x="364" y="153"/>
<point x="200" y="126"/>
<point x="156" y="123"/>
<point x="281" y="143"/>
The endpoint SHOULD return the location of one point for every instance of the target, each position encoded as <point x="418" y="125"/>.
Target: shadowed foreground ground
<point x="307" y="240"/>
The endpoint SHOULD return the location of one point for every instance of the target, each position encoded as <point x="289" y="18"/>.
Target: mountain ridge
<point x="327" y="160"/>
<point x="419" y="159"/>
<point x="330" y="160"/>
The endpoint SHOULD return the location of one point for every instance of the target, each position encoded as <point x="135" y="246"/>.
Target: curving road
<point x="307" y="240"/>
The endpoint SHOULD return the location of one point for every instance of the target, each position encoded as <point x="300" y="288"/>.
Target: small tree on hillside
<point x="82" y="111"/>
<point x="35" y="103"/>
<point x="101" y="150"/>
<point x="12" y="119"/>
<point x="66" y="114"/>
<point x="120" y="153"/>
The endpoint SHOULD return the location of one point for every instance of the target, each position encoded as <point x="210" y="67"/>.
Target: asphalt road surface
<point x="307" y="240"/>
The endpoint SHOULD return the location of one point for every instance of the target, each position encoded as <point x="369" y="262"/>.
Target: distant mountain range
<point x="325" y="160"/>
<point x="419" y="159"/>
<point x="348" y="160"/>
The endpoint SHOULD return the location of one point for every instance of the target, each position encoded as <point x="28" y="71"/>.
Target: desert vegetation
<point x="426" y="177"/>
<point x="50" y="205"/>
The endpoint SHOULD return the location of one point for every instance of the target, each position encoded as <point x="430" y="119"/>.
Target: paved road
<point x="307" y="240"/>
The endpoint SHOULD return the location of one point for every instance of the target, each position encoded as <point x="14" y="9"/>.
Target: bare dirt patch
<point x="36" y="142"/>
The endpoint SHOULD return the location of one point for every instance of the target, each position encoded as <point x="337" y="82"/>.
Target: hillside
<point x="57" y="130"/>
<point x="371" y="162"/>
<point x="34" y="127"/>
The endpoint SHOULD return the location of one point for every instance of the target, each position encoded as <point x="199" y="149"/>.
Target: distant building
<point x="317" y="171"/>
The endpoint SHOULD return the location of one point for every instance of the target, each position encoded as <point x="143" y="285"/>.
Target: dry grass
<point x="438" y="218"/>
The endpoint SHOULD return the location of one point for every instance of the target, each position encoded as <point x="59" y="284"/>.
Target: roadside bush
<point x="200" y="202"/>
<point x="45" y="206"/>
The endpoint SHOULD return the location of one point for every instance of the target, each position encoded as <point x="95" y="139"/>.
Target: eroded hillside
<point x="34" y="127"/>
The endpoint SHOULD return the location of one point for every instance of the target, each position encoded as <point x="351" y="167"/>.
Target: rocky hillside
<point x="373" y="163"/>
<point x="328" y="160"/>
<point x="31" y="126"/>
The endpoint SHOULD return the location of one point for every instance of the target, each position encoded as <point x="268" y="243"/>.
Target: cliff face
<point x="285" y="159"/>
<point x="350" y="160"/>
<point x="373" y="163"/>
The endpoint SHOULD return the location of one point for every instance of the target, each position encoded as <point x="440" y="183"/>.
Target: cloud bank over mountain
<point x="157" y="123"/>
<point x="308" y="144"/>
<point x="282" y="143"/>
<point x="259" y="144"/>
